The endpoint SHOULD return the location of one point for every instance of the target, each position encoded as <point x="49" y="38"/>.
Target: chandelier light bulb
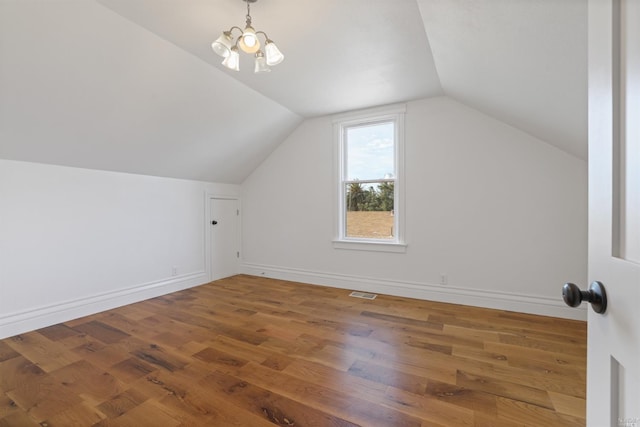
<point x="249" y="40"/>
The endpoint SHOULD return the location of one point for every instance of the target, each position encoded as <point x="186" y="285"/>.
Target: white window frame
<point x="393" y="113"/>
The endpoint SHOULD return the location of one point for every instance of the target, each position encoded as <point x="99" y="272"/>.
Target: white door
<point x="225" y="232"/>
<point x="613" y="355"/>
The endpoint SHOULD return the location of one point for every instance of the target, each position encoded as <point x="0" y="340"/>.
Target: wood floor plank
<point x="568" y="405"/>
<point x="501" y="388"/>
<point x="18" y="370"/>
<point x="473" y="399"/>
<point x="21" y="419"/>
<point x="43" y="397"/>
<point x="84" y="379"/>
<point x="7" y="406"/>
<point x="79" y="415"/>
<point x="278" y="409"/>
<point x="257" y="352"/>
<point x="346" y="406"/>
<point x="6" y="352"/>
<point x="523" y="413"/>
<point x="429" y="409"/>
<point x="119" y="404"/>
<point x="147" y="414"/>
<point x="551" y="382"/>
<point x="101" y="331"/>
<point x="58" y="332"/>
<point x="47" y="354"/>
<point x="562" y="359"/>
<point x="317" y="373"/>
<point x="388" y="376"/>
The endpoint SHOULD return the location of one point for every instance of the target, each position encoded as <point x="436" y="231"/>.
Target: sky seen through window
<point x="370" y="152"/>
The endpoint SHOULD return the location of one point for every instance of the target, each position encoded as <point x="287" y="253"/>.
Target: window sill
<point x="359" y="245"/>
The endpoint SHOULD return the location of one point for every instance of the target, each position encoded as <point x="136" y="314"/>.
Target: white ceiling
<point x="133" y="85"/>
<point x="521" y="61"/>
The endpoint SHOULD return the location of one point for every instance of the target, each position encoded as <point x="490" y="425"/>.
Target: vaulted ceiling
<point x="133" y="85"/>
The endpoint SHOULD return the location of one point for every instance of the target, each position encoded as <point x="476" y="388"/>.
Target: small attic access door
<point x="224" y="230"/>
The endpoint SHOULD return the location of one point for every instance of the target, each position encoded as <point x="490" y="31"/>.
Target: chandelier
<point x="248" y="41"/>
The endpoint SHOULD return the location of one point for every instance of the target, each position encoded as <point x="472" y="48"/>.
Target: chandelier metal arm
<point x="266" y="37"/>
<point x="234" y="28"/>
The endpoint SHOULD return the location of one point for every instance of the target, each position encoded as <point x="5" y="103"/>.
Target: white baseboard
<point x="16" y="323"/>
<point x="544" y="306"/>
<point x="19" y="322"/>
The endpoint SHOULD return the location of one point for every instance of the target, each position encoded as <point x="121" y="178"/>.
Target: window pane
<point x="370" y="152"/>
<point x="369" y="210"/>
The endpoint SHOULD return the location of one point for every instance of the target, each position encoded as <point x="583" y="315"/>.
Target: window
<point x="369" y="195"/>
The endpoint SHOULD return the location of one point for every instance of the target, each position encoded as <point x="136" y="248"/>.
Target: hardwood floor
<point x="249" y="351"/>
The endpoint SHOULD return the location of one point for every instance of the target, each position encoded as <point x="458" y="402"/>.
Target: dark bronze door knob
<point x="596" y="295"/>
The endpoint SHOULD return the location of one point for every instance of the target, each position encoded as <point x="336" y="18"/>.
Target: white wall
<point x="78" y="241"/>
<point x="501" y="213"/>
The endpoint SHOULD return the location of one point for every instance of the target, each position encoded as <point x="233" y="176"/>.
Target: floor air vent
<point x="363" y="295"/>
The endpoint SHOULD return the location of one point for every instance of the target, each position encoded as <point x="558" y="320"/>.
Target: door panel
<point x="225" y="240"/>
<point x="613" y="374"/>
<point x="629" y="122"/>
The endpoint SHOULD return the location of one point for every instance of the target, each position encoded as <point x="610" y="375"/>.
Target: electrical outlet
<point x="174" y="271"/>
<point x="443" y="279"/>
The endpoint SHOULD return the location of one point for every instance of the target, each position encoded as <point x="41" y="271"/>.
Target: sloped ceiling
<point x="521" y="61"/>
<point x="133" y="86"/>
